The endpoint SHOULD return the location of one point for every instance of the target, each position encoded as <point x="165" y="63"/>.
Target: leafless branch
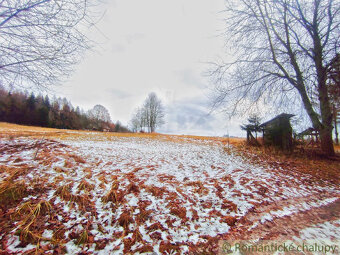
<point x="42" y="40"/>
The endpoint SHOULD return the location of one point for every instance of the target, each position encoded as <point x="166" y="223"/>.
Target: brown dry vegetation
<point x="9" y="130"/>
<point x="320" y="168"/>
<point x="30" y="217"/>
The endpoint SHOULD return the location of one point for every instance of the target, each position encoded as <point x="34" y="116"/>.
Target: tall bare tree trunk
<point x="326" y="124"/>
<point x="335" y="115"/>
<point x="327" y="141"/>
<point x="325" y="108"/>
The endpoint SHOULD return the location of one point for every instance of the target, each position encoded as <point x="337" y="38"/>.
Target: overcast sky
<point x="157" y="46"/>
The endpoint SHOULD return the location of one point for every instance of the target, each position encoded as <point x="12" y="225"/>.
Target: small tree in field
<point x="138" y="120"/>
<point x="99" y="113"/>
<point x="153" y="112"/>
<point x="150" y="116"/>
<point x="254" y="121"/>
<point x="253" y="125"/>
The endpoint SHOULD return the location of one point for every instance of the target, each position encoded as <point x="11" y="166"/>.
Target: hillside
<point x="67" y="191"/>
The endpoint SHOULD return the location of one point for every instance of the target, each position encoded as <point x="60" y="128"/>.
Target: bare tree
<point x="41" y="40"/>
<point x="150" y="116"/>
<point x="100" y="113"/>
<point x="283" y="51"/>
<point x="138" y="120"/>
<point x="153" y="112"/>
<point x="334" y="93"/>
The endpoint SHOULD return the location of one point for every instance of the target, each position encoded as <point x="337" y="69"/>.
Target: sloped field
<point x="94" y="193"/>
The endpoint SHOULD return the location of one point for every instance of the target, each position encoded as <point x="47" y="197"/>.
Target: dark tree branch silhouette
<point x="41" y="40"/>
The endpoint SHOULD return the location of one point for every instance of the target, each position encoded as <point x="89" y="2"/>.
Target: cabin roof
<point x="308" y="131"/>
<point x="280" y="116"/>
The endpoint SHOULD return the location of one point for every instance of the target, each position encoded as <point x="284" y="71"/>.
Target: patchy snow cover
<point x="125" y="194"/>
<point x="286" y="211"/>
<point x="327" y="232"/>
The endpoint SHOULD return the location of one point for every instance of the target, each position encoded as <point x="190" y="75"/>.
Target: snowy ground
<point x="120" y="195"/>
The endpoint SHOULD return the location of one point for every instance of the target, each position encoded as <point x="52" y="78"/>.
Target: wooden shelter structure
<point x="250" y="138"/>
<point x="312" y="136"/>
<point x="278" y="132"/>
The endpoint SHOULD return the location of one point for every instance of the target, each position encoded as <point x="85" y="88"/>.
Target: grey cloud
<point x="191" y="116"/>
<point x="118" y="94"/>
<point x="188" y="76"/>
<point x="188" y="117"/>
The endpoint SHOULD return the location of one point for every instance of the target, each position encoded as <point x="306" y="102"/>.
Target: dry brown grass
<point x="59" y="178"/>
<point x="30" y="214"/>
<point x="77" y="158"/>
<point x="85" y="186"/>
<point x="11" y="131"/>
<point x="166" y="247"/>
<point x="114" y="195"/>
<point x="156" y="191"/>
<point x="14" y="130"/>
<point x="156" y="226"/>
<point x="10" y="188"/>
<point x="226" y="204"/>
<point x="229" y="220"/>
<point x="198" y="187"/>
<point x="30" y="217"/>
<point x="319" y="167"/>
<point x="83" y="237"/>
<point x="132" y="188"/>
<point x="83" y="200"/>
<point x="144" y="249"/>
<point x="64" y="192"/>
<point x="125" y="219"/>
<point x="31" y="211"/>
<point x="179" y="211"/>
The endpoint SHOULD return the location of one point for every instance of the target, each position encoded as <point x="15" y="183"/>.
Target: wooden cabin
<point x="278" y="132"/>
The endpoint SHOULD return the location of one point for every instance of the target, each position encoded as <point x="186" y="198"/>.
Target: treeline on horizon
<point x="28" y="109"/>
